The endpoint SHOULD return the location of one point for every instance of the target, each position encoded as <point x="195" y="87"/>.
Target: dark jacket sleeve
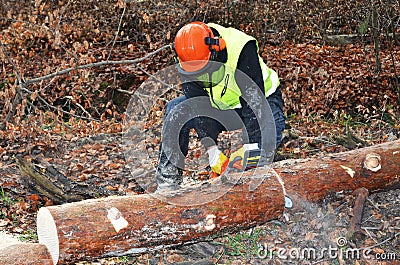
<point x="193" y="89"/>
<point x="248" y="64"/>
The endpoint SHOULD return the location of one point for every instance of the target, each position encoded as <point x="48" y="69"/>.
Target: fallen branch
<point x="44" y="185"/>
<point x="47" y="181"/>
<point x="91" y="65"/>
<point x="355" y="222"/>
<point x="116" y="226"/>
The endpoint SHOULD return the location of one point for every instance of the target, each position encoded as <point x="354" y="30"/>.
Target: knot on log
<point x="372" y="162"/>
<point x="210" y="225"/>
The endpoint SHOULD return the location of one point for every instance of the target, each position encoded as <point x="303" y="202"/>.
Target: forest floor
<point x="311" y="229"/>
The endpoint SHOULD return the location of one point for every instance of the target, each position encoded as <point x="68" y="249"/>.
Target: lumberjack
<point x="226" y="86"/>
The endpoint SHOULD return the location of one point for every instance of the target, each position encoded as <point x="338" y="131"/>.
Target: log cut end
<point x="47" y="233"/>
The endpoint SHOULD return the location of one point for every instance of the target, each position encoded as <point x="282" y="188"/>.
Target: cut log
<point x="25" y="254"/>
<point x="374" y="168"/>
<point x="133" y="224"/>
<point x="123" y="225"/>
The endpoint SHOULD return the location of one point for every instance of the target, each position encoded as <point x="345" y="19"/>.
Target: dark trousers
<point x="208" y="128"/>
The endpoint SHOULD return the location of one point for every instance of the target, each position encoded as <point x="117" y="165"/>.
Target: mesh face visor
<point x="211" y="75"/>
<point x="212" y="79"/>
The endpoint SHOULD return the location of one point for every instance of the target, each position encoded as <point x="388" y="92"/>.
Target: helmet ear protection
<point x="215" y="44"/>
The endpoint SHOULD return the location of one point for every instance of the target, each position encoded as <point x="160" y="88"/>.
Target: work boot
<point x="168" y="176"/>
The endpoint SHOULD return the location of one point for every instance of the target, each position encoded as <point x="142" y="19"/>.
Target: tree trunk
<point x="25" y="254"/>
<point x="132" y="224"/>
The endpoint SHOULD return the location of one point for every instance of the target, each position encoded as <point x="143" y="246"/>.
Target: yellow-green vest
<point x="226" y="93"/>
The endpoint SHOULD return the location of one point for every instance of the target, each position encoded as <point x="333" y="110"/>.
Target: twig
<point x="61" y="14"/>
<point x="56" y="40"/>
<point x="17" y="73"/>
<point x="58" y="109"/>
<point x="371" y="227"/>
<point x="125" y="91"/>
<point x="116" y="34"/>
<point x="79" y="105"/>
<point x="80" y="67"/>
<point x="370" y="236"/>
<point x="373" y="204"/>
<point x="380" y="243"/>
<point x="317" y="139"/>
<point x="152" y="76"/>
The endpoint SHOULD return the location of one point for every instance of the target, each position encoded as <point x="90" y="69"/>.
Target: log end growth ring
<point x="372" y="162"/>
<point x="47" y="233"/>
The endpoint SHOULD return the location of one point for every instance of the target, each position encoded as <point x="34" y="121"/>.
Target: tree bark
<point x="133" y="224"/>
<point x="25" y="254"/>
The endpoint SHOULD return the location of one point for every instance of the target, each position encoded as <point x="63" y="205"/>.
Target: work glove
<point x="217" y="160"/>
<point x="247" y="157"/>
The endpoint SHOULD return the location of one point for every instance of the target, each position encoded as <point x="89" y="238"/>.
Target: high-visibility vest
<point x="225" y="95"/>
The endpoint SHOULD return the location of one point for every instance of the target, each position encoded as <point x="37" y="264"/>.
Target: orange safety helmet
<point x="195" y="45"/>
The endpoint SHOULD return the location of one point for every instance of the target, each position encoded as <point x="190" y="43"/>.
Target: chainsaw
<point x="251" y="159"/>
